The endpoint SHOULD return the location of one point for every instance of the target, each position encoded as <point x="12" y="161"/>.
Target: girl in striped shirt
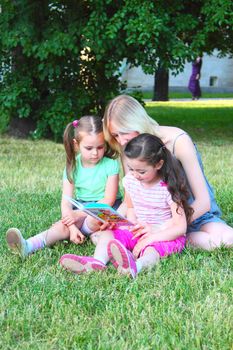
<point x="156" y="195"/>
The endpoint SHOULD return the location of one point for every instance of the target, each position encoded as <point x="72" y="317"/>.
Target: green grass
<point x="183" y="303"/>
<point x="180" y="95"/>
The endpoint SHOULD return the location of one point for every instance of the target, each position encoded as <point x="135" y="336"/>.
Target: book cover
<point x="102" y="212"/>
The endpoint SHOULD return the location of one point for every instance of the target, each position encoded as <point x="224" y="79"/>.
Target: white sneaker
<point x="16" y="242"/>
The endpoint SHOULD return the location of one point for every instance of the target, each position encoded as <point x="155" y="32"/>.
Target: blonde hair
<point x="128" y="115"/>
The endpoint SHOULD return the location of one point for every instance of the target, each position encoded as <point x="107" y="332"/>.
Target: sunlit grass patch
<point x="183" y="303"/>
<point x="187" y="94"/>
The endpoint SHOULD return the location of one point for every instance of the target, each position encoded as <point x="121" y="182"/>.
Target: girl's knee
<point x="104" y="235"/>
<point x="152" y="252"/>
<point x="61" y="229"/>
<point x="92" y="224"/>
<point x="94" y="237"/>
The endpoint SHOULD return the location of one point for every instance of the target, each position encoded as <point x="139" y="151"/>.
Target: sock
<point x="149" y="259"/>
<point x="139" y="266"/>
<point x="101" y="258"/>
<point x="35" y="243"/>
<point x="101" y="254"/>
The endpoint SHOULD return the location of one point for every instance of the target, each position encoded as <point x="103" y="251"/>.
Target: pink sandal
<point x="122" y="259"/>
<point x="81" y="264"/>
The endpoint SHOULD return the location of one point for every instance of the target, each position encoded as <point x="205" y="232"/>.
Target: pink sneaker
<point x="81" y="264"/>
<point x="122" y="259"/>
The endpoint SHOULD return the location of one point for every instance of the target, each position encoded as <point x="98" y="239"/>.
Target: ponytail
<point x="68" y="141"/>
<point x="173" y="175"/>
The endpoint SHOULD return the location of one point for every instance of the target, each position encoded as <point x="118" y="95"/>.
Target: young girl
<point x="156" y="196"/>
<point x="124" y="119"/>
<point x="90" y="175"/>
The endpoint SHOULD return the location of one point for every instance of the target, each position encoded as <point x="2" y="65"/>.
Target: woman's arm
<point x="185" y="152"/>
<point x="169" y="231"/>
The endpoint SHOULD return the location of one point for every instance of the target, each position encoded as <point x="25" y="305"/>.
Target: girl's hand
<point x="107" y="226"/>
<point x="75" y="217"/>
<point x="95" y="225"/>
<point x="68" y="220"/>
<point x="141" y="229"/>
<point x="142" y="243"/>
<point x="77" y="237"/>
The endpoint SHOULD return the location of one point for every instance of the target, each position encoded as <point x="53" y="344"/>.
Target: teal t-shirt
<point x="90" y="183"/>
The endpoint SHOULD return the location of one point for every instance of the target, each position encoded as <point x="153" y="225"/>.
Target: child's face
<point x="144" y="172"/>
<point x="91" y="148"/>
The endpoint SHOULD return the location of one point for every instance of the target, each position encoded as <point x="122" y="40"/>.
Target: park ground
<point x="183" y="303"/>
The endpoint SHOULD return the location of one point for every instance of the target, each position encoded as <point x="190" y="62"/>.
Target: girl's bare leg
<point x="101" y="251"/>
<point x="149" y="259"/>
<point x="94" y="237"/>
<point x="57" y="232"/>
<point x="24" y="247"/>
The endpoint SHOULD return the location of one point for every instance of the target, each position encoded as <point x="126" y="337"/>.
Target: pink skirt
<point x="164" y="248"/>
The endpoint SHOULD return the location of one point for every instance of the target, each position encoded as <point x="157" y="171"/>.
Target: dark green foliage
<point x="62" y="59"/>
<point x="52" y="66"/>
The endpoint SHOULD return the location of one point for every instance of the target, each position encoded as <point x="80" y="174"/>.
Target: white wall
<point x="220" y="69"/>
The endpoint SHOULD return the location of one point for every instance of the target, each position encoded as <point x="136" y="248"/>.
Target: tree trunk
<point x="161" y="79"/>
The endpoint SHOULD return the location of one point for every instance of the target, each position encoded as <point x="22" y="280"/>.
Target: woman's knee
<point x="211" y="238"/>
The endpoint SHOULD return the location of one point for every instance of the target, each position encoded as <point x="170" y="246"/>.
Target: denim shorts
<point x="196" y="225"/>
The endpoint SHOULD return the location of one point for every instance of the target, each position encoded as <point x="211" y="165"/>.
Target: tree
<point x="57" y="64"/>
<point x="61" y="59"/>
<point x="163" y="35"/>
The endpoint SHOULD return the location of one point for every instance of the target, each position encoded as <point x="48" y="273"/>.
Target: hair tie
<point x="75" y="123"/>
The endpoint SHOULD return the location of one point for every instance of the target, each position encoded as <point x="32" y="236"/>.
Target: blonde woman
<point x="124" y="119"/>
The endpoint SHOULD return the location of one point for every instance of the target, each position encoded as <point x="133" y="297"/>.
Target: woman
<point x="194" y="81"/>
<point x="124" y="119"/>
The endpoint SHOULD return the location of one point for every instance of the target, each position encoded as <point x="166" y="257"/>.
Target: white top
<point x="152" y="205"/>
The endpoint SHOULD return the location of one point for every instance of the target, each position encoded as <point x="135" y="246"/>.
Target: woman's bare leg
<point x="212" y="235"/>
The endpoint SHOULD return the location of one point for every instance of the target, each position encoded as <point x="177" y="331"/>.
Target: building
<point x="216" y="76"/>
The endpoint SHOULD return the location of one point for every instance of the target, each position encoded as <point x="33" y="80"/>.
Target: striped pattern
<point x="151" y="205"/>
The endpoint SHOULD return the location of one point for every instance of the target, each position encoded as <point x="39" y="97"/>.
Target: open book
<point x="102" y="212"/>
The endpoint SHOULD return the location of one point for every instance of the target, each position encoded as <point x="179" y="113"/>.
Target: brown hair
<point x="87" y="124"/>
<point x="151" y="149"/>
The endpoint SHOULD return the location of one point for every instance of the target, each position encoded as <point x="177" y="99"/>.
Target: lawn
<point x="183" y="303"/>
<point x="187" y="94"/>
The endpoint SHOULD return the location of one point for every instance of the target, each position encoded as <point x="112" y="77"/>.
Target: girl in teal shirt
<point x="90" y="175"/>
